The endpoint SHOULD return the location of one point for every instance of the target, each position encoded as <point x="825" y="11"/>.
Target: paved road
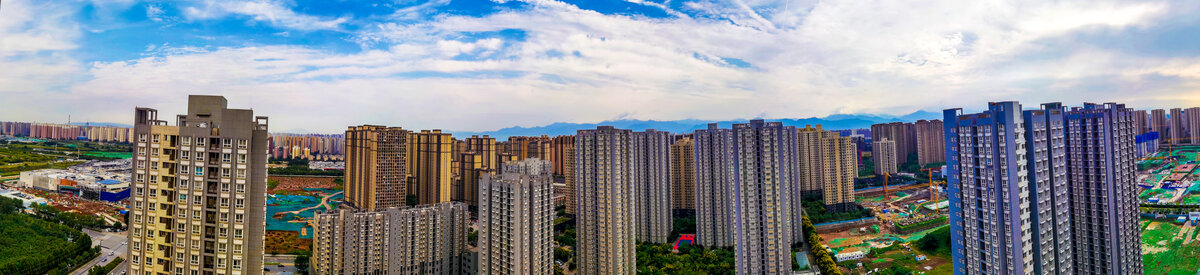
<point x="288" y="262"/>
<point x="109" y="242"/>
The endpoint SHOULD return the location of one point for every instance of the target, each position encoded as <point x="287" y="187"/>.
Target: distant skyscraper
<point x="1158" y="123"/>
<point x="1175" y="125"/>
<point x="559" y="146"/>
<point x="929" y="142"/>
<point x="651" y="152"/>
<point x="199" y="191"/>
<point x="990" y="210"/>
<point x="376" y="161"/>
<point x="764" y="174"/>
<point x="903" y="134"/>
<point x="516" y="214"/>
<point x="1102" y="177"/>
<point x="429" y="165"/>
<point x="714" y="185"/>
<point x="1192" y="118"/>
<point x="478" y="159"/>
<point x="828" y="164"/>
<point x="1140" y="125"/>
<point x="427" y="239"/>
<point x="604" y="196"/>
<point x="569" y="178"/>
<point x="885" y="157"/>
<point x="683" y="174"/>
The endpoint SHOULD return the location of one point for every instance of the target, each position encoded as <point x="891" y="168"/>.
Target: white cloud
<point x="808" y="58"/>
<point x="268" y="11"/>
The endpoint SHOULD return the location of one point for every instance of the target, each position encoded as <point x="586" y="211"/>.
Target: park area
<point x="1169" y="248"/>
<point x="292" y="201"/>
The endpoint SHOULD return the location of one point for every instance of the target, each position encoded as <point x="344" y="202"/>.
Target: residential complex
<point x="904" y="135"/>
<point x="714" y="177"/>
<point x="376" y="166"/>
<point x="604" y="201"/>
<point x="429" y="166"/>
<point x="828" y="164"/>
<point x="1043" y="191"/>
<point x="64" y="131"/>
<point x="199" y="191"/>
<point x="930" y="149"/>
<point x="426" y="239"/>
<point x="516" y="213"/>
<point x="764" y="174"/>
<point x="306" y="146"/>
<point x="651" y="178"/>
<point x="683" y="174"/>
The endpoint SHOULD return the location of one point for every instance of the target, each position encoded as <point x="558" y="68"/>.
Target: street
<point x="109" y="242"/>
<point x="288" y="262"/>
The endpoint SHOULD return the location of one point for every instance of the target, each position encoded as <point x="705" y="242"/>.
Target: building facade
<point x="1192" y="122"/>
<point x="1045" y="138"/>
<point x="929" y="142"/>
<point x="651" y="174"/>
<point x="1102" y="178"/>
<point x="376" y="166"/>
<point x="427" y="239"/>
<point x="714" y="185"/>
<point x="1159" y="123"/>
<point x="429" y="166"/>
<point x="1140" y="125"/>
<point x="903" y="134"/>
<point x="199" y="191"/>
<point x="604" y="201"/>
<point x="1176" y="127"/>
<point x="683" y="175"/>
<point x="764" y="173"/>
<point x="885" y="157"/>
<point x="516" y="215"/>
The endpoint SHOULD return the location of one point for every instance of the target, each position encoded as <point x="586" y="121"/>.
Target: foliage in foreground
<point x="814" y="206"/>
<point x="57" y="248"/>
<point x="658" y="259"/>
<point x="824" y="260"/>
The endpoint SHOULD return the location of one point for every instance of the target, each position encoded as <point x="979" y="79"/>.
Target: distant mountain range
<point x="832" y="122"/>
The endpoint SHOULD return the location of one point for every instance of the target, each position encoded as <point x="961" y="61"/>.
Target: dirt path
<point x="324" y="203"/>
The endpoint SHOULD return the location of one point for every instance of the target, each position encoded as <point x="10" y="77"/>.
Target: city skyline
<point x="320" y="65"/>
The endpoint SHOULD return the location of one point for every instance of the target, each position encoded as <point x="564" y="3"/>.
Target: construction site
<point x="902" y="214"/>
<point x="1170" y="206"/>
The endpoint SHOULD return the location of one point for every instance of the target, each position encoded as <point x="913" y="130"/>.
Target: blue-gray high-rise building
<point x="1044" y="191"/>
<point x="765" y="171"/>
<point x="714" y="180"/>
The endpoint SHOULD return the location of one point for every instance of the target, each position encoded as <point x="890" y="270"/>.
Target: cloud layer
<point x="442" y="65"/>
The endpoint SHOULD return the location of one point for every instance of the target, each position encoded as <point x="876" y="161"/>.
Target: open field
<point x="1169" y="248"/>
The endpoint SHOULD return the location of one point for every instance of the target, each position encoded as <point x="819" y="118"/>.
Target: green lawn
<point x="1163" y="254"/>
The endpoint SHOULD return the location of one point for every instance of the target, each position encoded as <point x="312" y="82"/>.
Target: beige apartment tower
<point x="376" y="175"/>
<point x="828" y="164"/>
<point x="683" y="174"/>
<point x="651" y="173"/>
<point x="516" y="214"/>
<point x="429" y="165"/>
<point x="1192" y="120"/>
<point x="604" y="201"/>
<point x="1176" y="126"/>
<point x="569" y="177"/>
<point x="199" y="194"/>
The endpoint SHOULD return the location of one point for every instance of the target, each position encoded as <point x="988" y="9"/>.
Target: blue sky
<point x="478" y="65"/>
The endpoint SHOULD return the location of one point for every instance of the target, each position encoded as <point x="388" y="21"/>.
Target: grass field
<point x="1163" y="251"/>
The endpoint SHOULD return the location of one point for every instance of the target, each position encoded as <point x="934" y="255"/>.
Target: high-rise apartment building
<point x="651" y="174"/>
<point x="376" y="166"/>
<point x="990" y="209"/>
<point x="516" y="214"/>
<point x="426" y="239"/>
<point x="559" y="147"/>
<point x="1140" y="125"/>
<point x="199" y="191"/>
<point x="828" y="164"/>
<point x="683" y="174"/>
<point x="1175" y="126"/>
<point x="1102" y="178"/>
<point x="604" y="196"/>
<point x="714" y="185"/>
<point x="903" y="134"/>
<point x="1159" y="123"/>
<point x="478" y="158"/>
<point x="1192" y="119"/>
<point x="764" y="174"/>
<point x="885" y="157"/>
<point x="429" y="166"/>
<point x="1049" y="195"/>
<point x="929" y="142"/>
<point x="569" y="178"/>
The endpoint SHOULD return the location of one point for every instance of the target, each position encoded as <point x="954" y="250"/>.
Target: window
<point x="186" y="154"/>
<point x="240" y="203"/>
<point x="142" y="137"/>
<point x="224" y="232"/>
<point x="224" y="217"/>
<point x="241" y="174"/>
<point x="221" y="247"/>
<point x="186" y="141"/>
<point x="183" y="184"/>
<point x="226" y="158"/>
<point x="226" y="143"/>
<point x="237" y="249"/>
<point x="155" y="138"/>
<point x="237" y="233"/>
<point x="241" y="188"/>
<point x="199" y="171"/>
<point x="242" y="143"/>
<point x="142" y="151"/>
<point x="241" y="158"/>
<point x="237" y="218"/>
<point x="141" y="178"/>
<point x="224" y="202"/>
<point x="225" y="173"/>
<point x="141" y="164"/>
<point x="200" y="142"/>
<point x="237" y="264"/>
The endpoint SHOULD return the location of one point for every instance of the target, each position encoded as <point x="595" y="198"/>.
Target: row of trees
<point x="824" y="260"/>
